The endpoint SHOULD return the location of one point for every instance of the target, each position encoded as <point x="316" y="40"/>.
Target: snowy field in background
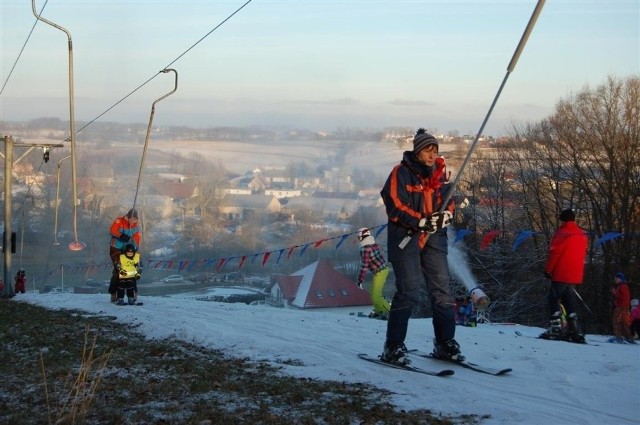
<point x="240" y="157"/>
<point x="552" y="382"/>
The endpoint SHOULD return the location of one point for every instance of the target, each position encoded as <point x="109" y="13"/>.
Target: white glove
<point x="438" y="220"/>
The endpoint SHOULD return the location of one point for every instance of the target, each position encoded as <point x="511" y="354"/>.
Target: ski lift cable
<point x="167" y="66"/>
<point x="15" y="63"/>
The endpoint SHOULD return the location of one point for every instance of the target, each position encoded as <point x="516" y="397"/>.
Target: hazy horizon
<point x="316" y="65"/>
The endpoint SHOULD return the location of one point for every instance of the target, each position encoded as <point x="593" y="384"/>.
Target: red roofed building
<point x="317" y="286"/>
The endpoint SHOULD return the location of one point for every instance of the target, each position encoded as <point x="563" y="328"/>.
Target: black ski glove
<point x="435" y="222"/>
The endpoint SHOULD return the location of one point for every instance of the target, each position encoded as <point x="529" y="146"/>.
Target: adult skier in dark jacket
<point x="417" y="247"/>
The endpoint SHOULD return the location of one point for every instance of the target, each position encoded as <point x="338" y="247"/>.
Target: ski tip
<point x="446" y="372"/>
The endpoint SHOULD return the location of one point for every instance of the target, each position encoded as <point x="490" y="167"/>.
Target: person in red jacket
<point x="123" y="231"/>
<point x="565" y="269"/>
<point x="621" y="319"/>
<point x="21" y="281"/>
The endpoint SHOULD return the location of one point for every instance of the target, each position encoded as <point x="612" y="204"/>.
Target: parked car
<point x="96" y="284"/>
<point x="174" y="278"/>
<point x="200" y="278"/>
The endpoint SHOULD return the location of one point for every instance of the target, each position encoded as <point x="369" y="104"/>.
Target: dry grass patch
<point x="70" y="367"/>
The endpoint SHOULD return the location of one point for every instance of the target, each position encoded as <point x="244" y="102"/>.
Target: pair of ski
<point x="542" y="336"/>
<point x="445" y="372"/>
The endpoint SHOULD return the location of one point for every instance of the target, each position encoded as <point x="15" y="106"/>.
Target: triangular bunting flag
<point x="342" y="239"/>
<point x="522" y="236"/>
<point x="607" y="237"/>
<point x="220" y="264"/>
<point x="318" y="243"/>
<point x="279" y="255"/>
<point x="460" y="234"/>
<point x="488" y="238"/>
<point x="384" y="226"/>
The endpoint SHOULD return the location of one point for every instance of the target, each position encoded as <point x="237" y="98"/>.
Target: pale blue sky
<point x="314" y="64"/>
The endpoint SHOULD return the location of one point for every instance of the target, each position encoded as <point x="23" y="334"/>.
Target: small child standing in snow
<point x="128" y="267"/>
<point x="621" y="319"/>
<point x="21" y="281"/>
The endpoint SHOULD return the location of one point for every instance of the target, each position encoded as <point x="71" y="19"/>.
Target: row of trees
<point x="585" y="156"/>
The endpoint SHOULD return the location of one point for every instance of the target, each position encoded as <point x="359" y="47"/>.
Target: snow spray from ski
<point x="460" y="269"/>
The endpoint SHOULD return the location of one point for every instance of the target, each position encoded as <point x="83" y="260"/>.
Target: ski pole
<point x="583" y="303"/>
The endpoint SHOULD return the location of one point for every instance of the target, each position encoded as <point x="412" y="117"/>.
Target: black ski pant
<point x="412" y="270"/>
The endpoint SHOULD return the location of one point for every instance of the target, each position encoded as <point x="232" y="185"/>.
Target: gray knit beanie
<point x="422" y="139"/>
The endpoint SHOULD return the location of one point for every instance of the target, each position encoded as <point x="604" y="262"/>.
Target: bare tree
<point x="585" y="156"/>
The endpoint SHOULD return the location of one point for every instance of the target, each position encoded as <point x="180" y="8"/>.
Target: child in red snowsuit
<point x="21" y="281"/>
<point x="635" y="318"/>
<point x="621" y="319"/>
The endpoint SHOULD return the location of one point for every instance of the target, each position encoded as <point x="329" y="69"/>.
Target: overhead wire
<point x="72" y="136"/>
<point x="15" y="63"/>
<point x="164" y="70"/>
<point x="125" y="97"/>
<point x="165" y="67"/>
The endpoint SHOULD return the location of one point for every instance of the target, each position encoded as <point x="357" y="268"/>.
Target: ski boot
<point x="395" y="354"/>
<point x="120" y="301"/>
<point x="574" y="334"/>
<point x="555" y="327"/>
<point x="379" y="316"/>
<point x="448" y="350"/>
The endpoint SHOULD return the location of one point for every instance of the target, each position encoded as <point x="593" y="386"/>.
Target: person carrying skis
<point x="417" y="248"/>
<point x="565" y="269"/>
<point x="21" y="281"/>
<point x="124" y="230"/>
<point x="129" y="270"/>
<point x="621" y="319"/>
<point x="372" y="259"/>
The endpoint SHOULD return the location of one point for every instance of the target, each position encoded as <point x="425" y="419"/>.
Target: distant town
<point x="195" y="206"/>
